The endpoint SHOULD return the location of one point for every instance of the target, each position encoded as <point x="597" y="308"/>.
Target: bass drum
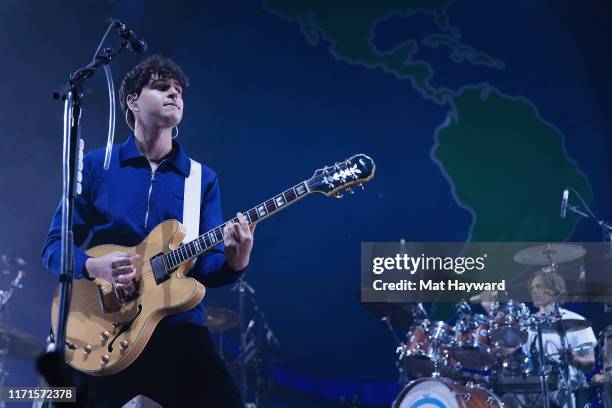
<point x="445" y="393"/>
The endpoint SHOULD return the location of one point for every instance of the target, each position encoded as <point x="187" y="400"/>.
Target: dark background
<point x="265" y="109"/>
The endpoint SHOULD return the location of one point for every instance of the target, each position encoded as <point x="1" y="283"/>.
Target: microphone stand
<point x="70" y="92"/>
<point x="605" y="226"/>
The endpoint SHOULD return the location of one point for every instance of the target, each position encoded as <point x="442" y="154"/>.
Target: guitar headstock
<point x="330" y="180"/>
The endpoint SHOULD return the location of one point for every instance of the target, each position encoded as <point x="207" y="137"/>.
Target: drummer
<point x="545" y="287"/>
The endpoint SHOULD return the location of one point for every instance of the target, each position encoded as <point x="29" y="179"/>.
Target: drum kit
<point x="480" y="357"/>
<point x="256" y="348"/>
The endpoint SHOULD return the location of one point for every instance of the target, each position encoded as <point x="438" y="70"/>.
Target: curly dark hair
<point x="140" y="75"/>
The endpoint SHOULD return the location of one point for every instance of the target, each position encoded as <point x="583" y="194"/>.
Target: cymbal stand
<point x="5" y="297"/>
<point x="250" y="351"/>
<point x="543" y="370"/>
<point x="563" y="359"/>
<point x="242" y="286"/>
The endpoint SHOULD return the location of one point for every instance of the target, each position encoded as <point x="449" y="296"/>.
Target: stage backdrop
<point x="477" y="113"/>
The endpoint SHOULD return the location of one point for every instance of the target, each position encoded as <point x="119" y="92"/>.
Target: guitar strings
<point x="146" y="272"/>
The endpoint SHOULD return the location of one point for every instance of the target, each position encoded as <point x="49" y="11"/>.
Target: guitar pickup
<point x="159" y="268"/>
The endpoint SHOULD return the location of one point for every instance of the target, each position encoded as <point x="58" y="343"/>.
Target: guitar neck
<point x="256" y="214"/>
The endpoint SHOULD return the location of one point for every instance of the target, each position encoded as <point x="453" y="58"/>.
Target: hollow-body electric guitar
<point x="107" y="329"/>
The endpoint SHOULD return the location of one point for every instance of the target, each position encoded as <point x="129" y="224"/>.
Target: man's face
<point x="541" y="293"/>
<point x="160" y="103"/>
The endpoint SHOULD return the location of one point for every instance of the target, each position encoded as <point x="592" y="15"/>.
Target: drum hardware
<point x="471" y="346"/>
<point x="256" y="337"/>
<point x="508" y="324"/>
<point x="426" y="351"/>
<point x="566" y="325"/>
<point x="444" y="392"/>
<point x="552" y="323"/>
<point x="219" y="321"/>
<point x="13" y="342"/>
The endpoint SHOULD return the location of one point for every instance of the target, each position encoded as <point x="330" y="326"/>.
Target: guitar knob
<point x="86" y="349"/>
<point x="104" y="335"/>
<point x="123" y="344"/>
<point x="104" y="359"/>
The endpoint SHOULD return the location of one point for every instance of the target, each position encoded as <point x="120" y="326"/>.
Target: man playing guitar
<point x="143" y="187"/>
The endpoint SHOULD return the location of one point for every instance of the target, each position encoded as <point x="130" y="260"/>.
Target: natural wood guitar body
<point x="106" y="332"/>
<point x="96" y="344"/>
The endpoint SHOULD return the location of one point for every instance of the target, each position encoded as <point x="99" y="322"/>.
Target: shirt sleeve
<point x="211" y="269"/>
<point x="51" y="251"/>
<point x="581" y="337"/>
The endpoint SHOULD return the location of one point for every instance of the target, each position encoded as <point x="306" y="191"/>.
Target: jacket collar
<point x="177" y="158"/>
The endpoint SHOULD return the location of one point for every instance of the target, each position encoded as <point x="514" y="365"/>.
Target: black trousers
<point x="179" y="367"/>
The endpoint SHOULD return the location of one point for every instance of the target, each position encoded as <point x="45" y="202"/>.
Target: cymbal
<point x="11" y="260"/>
<point x="398" y="314"/>
<point x="550" y="253"/>
<point x="219" y="320"/>
<point x="569" y="325"/>
<point x="19" y="344"/>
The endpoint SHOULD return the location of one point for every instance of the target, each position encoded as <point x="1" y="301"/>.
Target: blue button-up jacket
<point x="122" y="205"/>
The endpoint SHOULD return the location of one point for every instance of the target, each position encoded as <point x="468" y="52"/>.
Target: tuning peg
<point x="361" y="185"/>
<point x="337" y="166"/>
<point x="349" y="190"/>
<point x="338" y="195"/>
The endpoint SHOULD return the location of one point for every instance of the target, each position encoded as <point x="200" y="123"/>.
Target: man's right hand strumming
<point x="118" y="268"/>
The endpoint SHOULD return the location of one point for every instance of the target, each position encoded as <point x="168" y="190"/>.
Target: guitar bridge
<point x="125" y="297"/>
<point x="109" y="302"/>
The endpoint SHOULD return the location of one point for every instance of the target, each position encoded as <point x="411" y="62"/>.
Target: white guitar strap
<point x="191" y="203"/>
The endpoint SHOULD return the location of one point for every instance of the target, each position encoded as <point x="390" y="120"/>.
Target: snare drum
<point x="472" y="346"/>
<point x="508" y="323"/>
<point x="427" y="345"/>
<point x="445" y="393"/>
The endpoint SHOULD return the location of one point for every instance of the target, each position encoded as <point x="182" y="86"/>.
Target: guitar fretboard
<point x="214" y="237"/>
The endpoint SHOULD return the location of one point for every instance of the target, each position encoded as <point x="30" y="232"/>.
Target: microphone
<point x="564" y="202"/>
<point x="137" y="44"/>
